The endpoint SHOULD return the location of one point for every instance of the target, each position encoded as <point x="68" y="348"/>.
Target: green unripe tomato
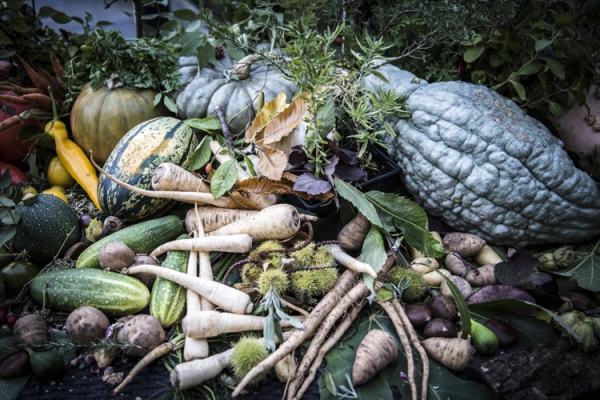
<point x="17" y="274"/>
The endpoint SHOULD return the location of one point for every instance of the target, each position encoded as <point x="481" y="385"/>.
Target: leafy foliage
<point x="585" y="269"/>
<point x="9" y="216"/>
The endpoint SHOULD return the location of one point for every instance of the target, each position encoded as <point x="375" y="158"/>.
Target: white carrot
<point x="172" y="177"/>
<point x="277" y="222"/>
<point x="226" y="297"/>
<point x="194" y="348"/>
<point x="261" y="200"/>
<point x="240" y="243"/>
<point x="157" y="352"/>
<point x="206" y="324"/>
<point x="350" y="262"/>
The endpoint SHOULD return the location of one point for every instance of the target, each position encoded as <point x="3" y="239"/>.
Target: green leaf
<point x="389" y="129"/>
<point x="373" y="253"/>
<point x="399" y="212"/>
<point x="530" y="330"/>
<point x="10" y="388"/>
<point x="563" y="19"/>
<point x="384" y="294"/>
<point x="358" y="200"/>
<point x="542" y="44"/>
<point x="66" y="350"/>
<point x="473" y="53"/>
<point x="556" y="67"/>
<point x="208" y="124"/>
<point x="224" y="178"/>
<point x="206" y="54"/>
<point x="496" y="61"/>
<point x="465" y="317"/>
<point x="530" y="68"/>
<point x="201" y="155"/>
<point x="4" y="40"/>
<point x="233" y="51"/>
<point x="7" y="234"/>
<point x="555" y="109"/>
<point x="520" y="90"/>
<point x="170" y="104"/>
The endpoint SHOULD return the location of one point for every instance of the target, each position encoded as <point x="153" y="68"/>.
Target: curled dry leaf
<point x="266" y="114"/>
<point x="272" y="162"/>
<point x="262" y="185"/>
<point x="283" y="123"/>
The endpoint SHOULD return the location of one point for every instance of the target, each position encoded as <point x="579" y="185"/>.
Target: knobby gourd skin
<point x="475" y="160"/>
<point x="211" y="87"/>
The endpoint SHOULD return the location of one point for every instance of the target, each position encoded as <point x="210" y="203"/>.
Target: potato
<point x="145" y="278"/>
<point x="455" y="265"/>
<point x="144" y="331"/>
<point x="86" y="324"/>
<point x="434" y="279"/>
<point x="115" y="256"/>
<point x="481" y="276"/>
<point x="464" y="287"/>
<point x="487" y="255"/>
<point x="465" y="245"/>
<point x="374" y="353"/>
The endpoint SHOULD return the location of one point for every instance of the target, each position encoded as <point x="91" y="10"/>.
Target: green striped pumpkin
<point x="134" y="160"/>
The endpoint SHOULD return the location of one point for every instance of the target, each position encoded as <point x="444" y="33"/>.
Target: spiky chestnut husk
<point x="248" y="352"/>
<point x="572" y="317"/>
<point x="586" y="332"/>
<point x="304" y="256"/>
<point x="276" y="277"/>
<point x="316" y="282"/>
<point x="417" y="288"/>
<point x="322" y="257"/>
<point x="250" y="273"/>
<point x="272" y="258"/>
<point x="595" y="322"/>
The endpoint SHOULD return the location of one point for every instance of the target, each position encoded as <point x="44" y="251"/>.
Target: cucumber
<point x="168" y="299"/>
<point x="141" y="238"/>
<point x="112" y="293"/>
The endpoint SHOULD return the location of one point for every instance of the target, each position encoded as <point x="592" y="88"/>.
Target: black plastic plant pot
<point x="387" y="180"/>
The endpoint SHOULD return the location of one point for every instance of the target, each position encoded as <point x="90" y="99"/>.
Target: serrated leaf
<point x="520" y="90"/>
<point x="542" y="44"/>
<point x="266" y="114"/>
<point x="556" y="67"/>
<point x="358" y="200"/>
<point x="283" y="123"/>
<point x="406" y="215"/>
<point x="208" y="124"/>
<point x="272" y="162"/>
<point x="224" y="178"/>
<point x="201" y="155"/>
<point x="473" y="53"/>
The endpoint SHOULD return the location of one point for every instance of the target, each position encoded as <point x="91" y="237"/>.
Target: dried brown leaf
<point x="284" y="122"/>
<point x="266" y="114"/>
<point x="237" y="200"/>
<point x="262" y="185"/>
<point x="272" y="162"/>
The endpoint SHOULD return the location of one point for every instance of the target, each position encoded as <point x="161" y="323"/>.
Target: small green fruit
<point x="484" y="340"/>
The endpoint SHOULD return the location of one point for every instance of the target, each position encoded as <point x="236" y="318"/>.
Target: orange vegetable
<point x="58" y="175"/>
<point x="74" y="160"/>
<point x="58" y="192"/>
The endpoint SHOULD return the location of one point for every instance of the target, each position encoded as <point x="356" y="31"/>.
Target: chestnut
<point x="507" y="335"/>
<point x="439" y="327"/>
<point x="418" y="313"/>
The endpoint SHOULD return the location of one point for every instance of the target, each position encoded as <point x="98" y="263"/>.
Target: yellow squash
<point x="74" y="160"/>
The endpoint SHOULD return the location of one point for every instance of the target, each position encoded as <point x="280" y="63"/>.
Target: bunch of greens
<point x="144" y="64"/>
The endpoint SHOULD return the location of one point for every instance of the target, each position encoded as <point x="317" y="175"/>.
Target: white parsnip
<point x="236" y="243"/>
<point x="172" y="177"/>
<point x="226" y="297"/>
<point x="206" y="324"/>
<point x="350" y="262"/>
<point x="194" y="348"/>
<point x="261" y="200"/>
<point x="277" y="222"/>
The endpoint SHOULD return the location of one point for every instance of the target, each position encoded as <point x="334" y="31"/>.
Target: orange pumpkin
<point x="100" y="118"/>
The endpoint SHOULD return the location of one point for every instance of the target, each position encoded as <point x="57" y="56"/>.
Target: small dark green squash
<point x="47" y="228"/>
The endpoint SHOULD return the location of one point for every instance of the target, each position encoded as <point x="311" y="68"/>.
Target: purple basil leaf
<point x="297" y="155"/>
<point x="517" y="270"/>
<point x="542" y="281"/>
<point x="348" y="156"/>
<point x="330" y="169"/>
<point x="309" y="184"/>
<point x="495" y="292"/>
<point x="349" y="173"/>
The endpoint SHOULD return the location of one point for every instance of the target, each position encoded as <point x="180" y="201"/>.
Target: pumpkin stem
<point x="242" y="67"/>
<point x="113" y="82"/>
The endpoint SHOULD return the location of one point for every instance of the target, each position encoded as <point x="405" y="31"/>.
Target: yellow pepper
<point x="74" y="160"/>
